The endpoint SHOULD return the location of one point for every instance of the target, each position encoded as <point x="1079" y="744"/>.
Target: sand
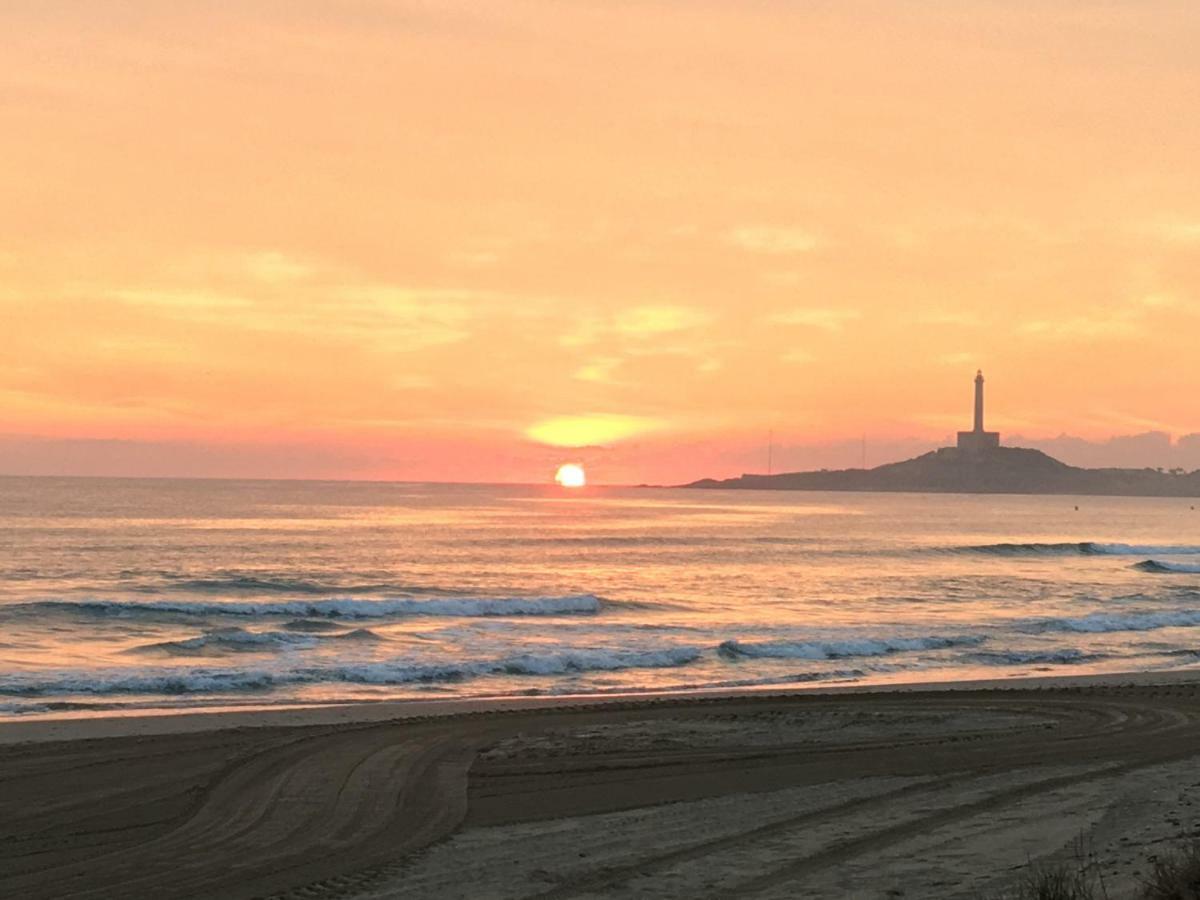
<point x="902" y="793"/>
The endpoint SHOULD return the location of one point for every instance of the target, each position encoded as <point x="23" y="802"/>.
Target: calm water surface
<point x="130" y="595"/>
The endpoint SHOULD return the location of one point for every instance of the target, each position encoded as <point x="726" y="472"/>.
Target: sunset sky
<point x="470" y="241"/>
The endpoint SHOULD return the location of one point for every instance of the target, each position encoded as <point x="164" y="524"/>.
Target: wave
<point x="211" y="680"/>
<point x="309" y="626"/>
<point x="239" y="639"/>
<point x="638" y="540"/>
<point x="1067" y="656"/>
<point x="258" y="585"/>
<point x="1162" y="566"/>
<point x="793" y="678"/>
<point x="1082" y="548"/>
<point x="841" y="649"/>
<point x="1102" y="622"/>
<point x="332" y="608"/>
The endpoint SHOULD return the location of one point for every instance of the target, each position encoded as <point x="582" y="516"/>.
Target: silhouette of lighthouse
<point x="977" y="440"/>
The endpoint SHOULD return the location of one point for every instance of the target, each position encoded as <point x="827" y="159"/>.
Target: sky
<point x="470" y="241"/>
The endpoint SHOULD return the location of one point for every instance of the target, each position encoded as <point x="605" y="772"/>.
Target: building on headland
<point x="977" y="440"/>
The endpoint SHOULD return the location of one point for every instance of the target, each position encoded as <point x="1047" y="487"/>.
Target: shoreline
<point x="945" y="790"/>
<point x="38" y="728"/>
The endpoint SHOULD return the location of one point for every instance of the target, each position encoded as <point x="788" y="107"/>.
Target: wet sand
<point x="914" y="793"/>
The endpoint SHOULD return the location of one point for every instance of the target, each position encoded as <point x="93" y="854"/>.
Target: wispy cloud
<point x="797" y="357"/>
<point x="197" y="301"/>
<point x="589" y="430"/>
<point x="599" y="371"/>
<point x="947" y="317"/>
<point x="1117" y="326"/>
<point x="649" y="321"/>
<point x="777" y="241"/>
<point x="958" y="359"/>
<point x="409" y="317"/>
<point x="1159" y="301"/>
<point x="274" y="268"/>
<point x="827" y="319"/>
<point x="1176" y="231"/>
<point x="414" y="317"/>
<point x="634" y="324"/>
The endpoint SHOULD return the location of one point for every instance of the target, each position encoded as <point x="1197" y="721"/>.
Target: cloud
<point x="599" y="370"/>
<point x="197" y="301"/>
<point x="1177" y="232"/>
<point x="473" y="259"/>
<point x="648" y="321"/>
<point x="589" y="430"/>
<point x="1115" y="326"/>
<point x="1151" y="448"/>
<point x="773" y="240"/>
<point x="823" y="318"/>
<point x="275" y="268"/>
<point x="947" y="317"/>
<point x="634" y="324"/>
<point x="411" y="317"/>
<point x="1159" y="301"/>
<point x="958" y="359"/>
<point x="797" y="357"/>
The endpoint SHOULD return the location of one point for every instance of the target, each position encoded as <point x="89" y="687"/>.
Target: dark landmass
<point x="998" y="470"/>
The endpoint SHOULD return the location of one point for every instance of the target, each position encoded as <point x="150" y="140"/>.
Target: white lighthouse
<point x="977" y="440"/>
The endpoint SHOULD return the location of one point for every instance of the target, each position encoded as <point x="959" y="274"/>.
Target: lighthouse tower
<point x="977" y="440"/>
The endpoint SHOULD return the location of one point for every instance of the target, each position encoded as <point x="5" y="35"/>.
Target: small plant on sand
<point x="1078" y="879"/>
<point x="1060" y="883"/>
<point x="1175" y="876"/>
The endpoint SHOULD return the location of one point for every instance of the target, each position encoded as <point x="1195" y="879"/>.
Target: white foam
<point x="238" y="637"/>
<point x="844" y="648"/>
<point x="214" y="680"/>
<point x="1144" y="549"/>
<point x="1103" y="622"/>
<point x="1065" y="656"/>
<point x="1081" y="548"/>
<point x="241" y="639"/>
<point x="1162" y="565"/>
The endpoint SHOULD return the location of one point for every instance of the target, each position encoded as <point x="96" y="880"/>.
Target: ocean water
<point x="131" y="595"/>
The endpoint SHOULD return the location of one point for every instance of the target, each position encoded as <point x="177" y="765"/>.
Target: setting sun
<point x="571" y="475"/>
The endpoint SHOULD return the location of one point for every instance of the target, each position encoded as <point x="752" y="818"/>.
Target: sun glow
<point x="571" y="475"/>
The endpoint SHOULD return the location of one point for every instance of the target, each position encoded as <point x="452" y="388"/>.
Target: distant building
<point x="977" y="440"/>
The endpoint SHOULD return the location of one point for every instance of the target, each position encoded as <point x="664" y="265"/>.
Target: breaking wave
<point x="841" y="649"/>
<point x="249" y="584"/>
<point x="207" y="681"/>
<point x="239" y="639"/>
<point x="332" y="608"/>
<point x="1067" y="656"/>
<point x="1163" y="567"/>
<point x="1102" y="622"/>
<point x="1082" y="548"/>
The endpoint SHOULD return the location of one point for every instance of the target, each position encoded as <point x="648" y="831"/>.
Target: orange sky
<point x="451" y="240"/>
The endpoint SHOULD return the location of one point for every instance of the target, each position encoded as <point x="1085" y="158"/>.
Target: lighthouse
<point x="977" y="440"/>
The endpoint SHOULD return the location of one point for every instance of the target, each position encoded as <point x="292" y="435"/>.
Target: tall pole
<point x="979" y="401"/>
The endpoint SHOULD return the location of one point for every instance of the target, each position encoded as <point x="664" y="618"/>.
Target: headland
<point x="977" y="464"/>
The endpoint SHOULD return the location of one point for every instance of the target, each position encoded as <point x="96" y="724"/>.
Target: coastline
<point x="945" y="790"/>
<point x="150" y="722"/>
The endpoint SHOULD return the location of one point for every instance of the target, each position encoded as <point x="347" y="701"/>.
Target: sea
<point x="135" y="596"/>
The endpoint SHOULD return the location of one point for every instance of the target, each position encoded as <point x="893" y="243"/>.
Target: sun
<point x="571" y="475"/>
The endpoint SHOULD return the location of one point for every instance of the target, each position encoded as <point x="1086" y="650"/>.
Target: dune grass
<point x="1173" y="876"/>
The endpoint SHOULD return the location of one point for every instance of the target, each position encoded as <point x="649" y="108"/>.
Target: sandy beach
<point x="914" y="792"/>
